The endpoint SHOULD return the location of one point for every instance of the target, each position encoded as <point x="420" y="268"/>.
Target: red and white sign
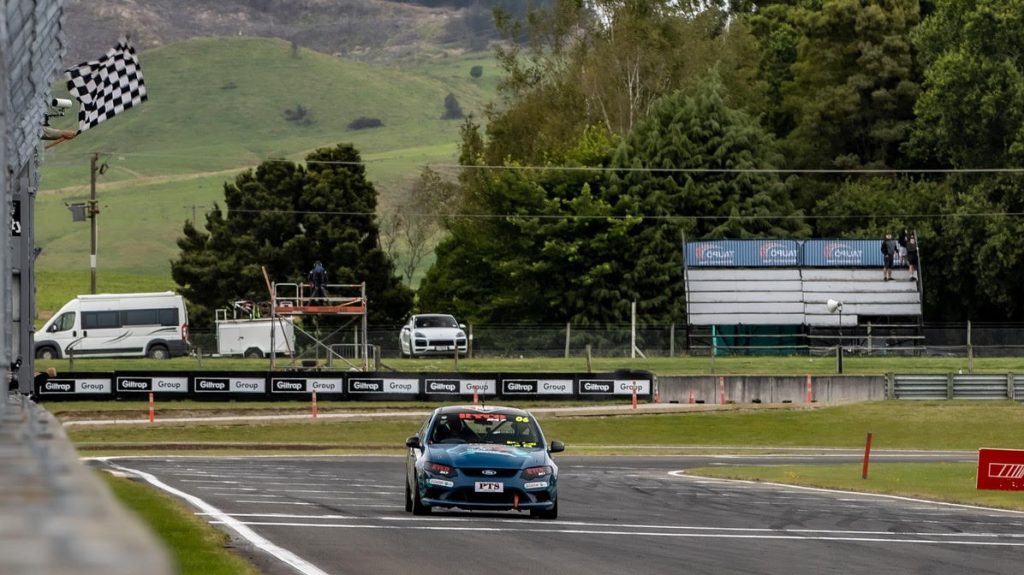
<point x="1001" y="469"/>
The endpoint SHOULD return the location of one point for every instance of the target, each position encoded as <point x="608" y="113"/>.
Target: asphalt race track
<point x="313" y="515"/>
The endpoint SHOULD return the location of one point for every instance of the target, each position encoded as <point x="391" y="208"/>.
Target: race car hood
<point x="487" y="455"/>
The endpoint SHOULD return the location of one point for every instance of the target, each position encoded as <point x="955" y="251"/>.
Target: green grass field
<point x="196" y="547"/>
<point x="950" y="482"/>
<point x="216" y="107"/>
<point x="661" y="366"/>
<point x="940" y="425"/>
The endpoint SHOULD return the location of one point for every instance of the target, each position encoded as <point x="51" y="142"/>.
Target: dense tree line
<point x="283" y="217"/>
<point x="644" y="120"/>
<point x="625" y="126"/>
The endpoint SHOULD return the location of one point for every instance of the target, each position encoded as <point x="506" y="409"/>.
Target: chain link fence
<point x="495" y="341"/>
<point x="667" y="340"/>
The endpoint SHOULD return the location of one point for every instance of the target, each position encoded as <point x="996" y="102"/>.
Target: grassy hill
<point x="217" y="106"/>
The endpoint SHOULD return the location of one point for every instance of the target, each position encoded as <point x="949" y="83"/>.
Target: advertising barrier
<point x="284" y="386"/>
<point x="843" y="253"/>
<point x="615" y="387"/>
<point x="228" y="386"/>
<point x="785" y="253"/>
<point x="743" y="253"/>
<point x="167" y="384"/>
<point x="371" y="387"/>
<point x="444" y="386"/>
<point x="225" y="386"/>
<point x="538" y="384"/>
<point x="77" y="386"/>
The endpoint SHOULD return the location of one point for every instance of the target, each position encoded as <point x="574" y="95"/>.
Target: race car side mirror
<point x="556" y="447"/>
<point x="413" y="442"/>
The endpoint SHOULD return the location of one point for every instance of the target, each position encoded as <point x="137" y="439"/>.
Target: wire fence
<point x="671" y="340"/>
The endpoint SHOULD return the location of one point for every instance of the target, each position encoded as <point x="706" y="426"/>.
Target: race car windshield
<point x="494" y="428"/>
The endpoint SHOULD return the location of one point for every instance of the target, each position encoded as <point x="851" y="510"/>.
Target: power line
<point x="666" y="217"/>
<point x="862" y="171"/>
<point x="492" y="167"/>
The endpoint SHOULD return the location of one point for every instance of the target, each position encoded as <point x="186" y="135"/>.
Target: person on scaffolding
<point x="318" y="279"/>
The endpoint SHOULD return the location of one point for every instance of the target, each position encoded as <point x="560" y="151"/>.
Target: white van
<point x="113" y="325"/>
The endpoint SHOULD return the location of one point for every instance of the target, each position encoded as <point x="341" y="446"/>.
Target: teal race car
<point x="482" y="458"/>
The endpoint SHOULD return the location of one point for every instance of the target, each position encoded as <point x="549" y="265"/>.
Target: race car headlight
<point x="440" y="469"/>
<point x="536" y="472"/>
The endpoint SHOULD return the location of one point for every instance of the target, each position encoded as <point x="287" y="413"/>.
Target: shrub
<point x="452" y="110"/>
<point x="476" y="71"/>
<point x="300" y="115"/>
<point x="362" y="123"/>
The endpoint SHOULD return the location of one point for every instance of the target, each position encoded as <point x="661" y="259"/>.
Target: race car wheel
<point x="408" y="497"/>
<point x="418" y="508"/>
<point x="546" y="513"/>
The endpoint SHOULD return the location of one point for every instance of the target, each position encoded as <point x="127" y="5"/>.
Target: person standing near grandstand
<point x="902" y="241"/>
<point x="912" y="256"/>
<point x="888" y="253"/>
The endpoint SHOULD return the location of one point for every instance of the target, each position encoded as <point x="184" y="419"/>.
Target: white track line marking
<point x="682" y="474"/>
<point x="275" y="502"/>
<point x="296" y="562"/>
<point x="713" y="535"/>
<point x="646" y="526"/>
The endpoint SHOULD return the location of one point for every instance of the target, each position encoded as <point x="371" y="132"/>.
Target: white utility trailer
<point x="252" y="337"/>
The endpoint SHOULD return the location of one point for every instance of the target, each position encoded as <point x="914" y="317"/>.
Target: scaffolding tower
<point x="341" y="300"/>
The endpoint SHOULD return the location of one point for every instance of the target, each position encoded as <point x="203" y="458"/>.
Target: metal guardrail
<point x="957" y="386"/>
<point x="920" y="387"/>
<point x="982" y="387"/>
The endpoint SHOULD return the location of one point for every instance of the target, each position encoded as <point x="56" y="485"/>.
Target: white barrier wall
<point x="772" y="389"/>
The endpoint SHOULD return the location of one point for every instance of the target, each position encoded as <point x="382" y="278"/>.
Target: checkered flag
<point x="108" y="86"/>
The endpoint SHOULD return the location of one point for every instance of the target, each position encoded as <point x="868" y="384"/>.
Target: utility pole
<point x="93" y="211"/>
<point x="194" y="206"/>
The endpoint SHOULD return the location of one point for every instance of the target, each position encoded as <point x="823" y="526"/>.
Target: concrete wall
<point x="56" y="516"/>
<point x="771" y="388"/>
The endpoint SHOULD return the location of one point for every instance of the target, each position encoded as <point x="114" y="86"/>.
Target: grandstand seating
<point x="797" y="296"/>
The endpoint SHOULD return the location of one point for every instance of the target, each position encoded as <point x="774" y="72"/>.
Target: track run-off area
<point x="344" y="515"/>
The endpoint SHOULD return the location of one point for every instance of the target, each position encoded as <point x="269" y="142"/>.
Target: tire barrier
<point x="300" y="385"/>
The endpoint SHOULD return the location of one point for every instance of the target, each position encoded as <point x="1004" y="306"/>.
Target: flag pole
<point x="93" y="210"/>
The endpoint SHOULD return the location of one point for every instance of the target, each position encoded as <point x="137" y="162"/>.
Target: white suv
<point x="432" y="334"/>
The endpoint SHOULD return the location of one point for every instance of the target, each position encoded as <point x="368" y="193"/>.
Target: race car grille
<point x="470" y="496"/>
<point x="479" y="472"/>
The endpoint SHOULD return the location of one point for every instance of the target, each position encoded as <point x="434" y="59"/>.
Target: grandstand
<point x="769" y="297"/>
